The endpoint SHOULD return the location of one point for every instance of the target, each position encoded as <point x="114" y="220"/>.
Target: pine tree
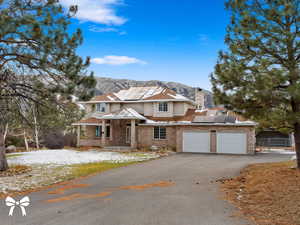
<point x="258" y="76"/>
<point x="38" y="58"/>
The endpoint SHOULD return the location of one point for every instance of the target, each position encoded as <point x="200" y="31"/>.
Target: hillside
<point x="106" y="85"/>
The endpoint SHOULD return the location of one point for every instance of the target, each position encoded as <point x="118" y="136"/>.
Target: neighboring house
<point x="144" y="117"/>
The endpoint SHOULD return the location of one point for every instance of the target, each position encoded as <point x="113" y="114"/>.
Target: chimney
<point x="199" y="98"/>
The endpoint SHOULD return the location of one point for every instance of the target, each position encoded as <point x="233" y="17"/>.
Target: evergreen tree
<point x="38" y="58"/>
<point x="258" y="76"/>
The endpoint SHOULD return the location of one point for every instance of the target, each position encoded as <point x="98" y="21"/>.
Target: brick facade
<point x="146" y="137"/>
<point x="174" y="134"/>
<point x="117" y="134"/>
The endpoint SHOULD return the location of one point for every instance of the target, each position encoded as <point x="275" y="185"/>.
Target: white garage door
<point x="231" y="143"/>
<point x="196" y="141"/>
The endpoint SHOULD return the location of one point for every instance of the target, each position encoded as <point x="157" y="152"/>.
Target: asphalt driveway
<point x="176" y="190"/>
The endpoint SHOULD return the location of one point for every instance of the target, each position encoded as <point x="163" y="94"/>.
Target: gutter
<point x="200" y="124"/>
<point x="140" y="101"/>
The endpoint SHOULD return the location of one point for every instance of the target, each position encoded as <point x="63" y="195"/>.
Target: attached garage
<point x="216" y="138"/>
<point x="202" y="137"/>
<point x="231" y="142"/>
<point x="196" y="141"/>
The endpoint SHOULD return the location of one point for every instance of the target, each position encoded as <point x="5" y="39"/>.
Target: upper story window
<point x="101" y="107"/>
<point x="163" y="107"/>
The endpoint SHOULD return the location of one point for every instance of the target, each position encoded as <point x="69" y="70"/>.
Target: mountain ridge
<point x="106" y="85"/>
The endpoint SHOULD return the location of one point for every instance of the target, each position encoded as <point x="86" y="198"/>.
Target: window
<point x="99" y="131"/>
<point x="101" y="107"/>
<point x="163" y="107"/>
<point x="160" y="133"/>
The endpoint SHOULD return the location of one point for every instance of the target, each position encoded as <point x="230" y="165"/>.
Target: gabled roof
<point x="127" y="113"/>
<point x="140" y="94"/>
<point x="106" y="97"/>
<point x="192" y="117"/>
<point x="165" y="94"/>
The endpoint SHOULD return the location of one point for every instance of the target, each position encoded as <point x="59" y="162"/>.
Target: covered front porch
<point x="110" y="130"/>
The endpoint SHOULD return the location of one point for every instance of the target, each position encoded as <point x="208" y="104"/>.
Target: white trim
<point x="126" y="113"/>
<point x="160" y="106"/>
<point x="88" y="124"/>
<point x="159" y="134"/>
<point x="231" y="142"/>
<point x="196" y="141"/>
<point x="197" y="124"/>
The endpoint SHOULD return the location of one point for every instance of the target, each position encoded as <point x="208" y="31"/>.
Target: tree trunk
<point x="25" y="141"/>
<point x="5" y="132"/>
<point x="297" y="142"/>
<point x="37" y="142"/>
<point x="3" y="161"/>
<point x="36" y="131"/>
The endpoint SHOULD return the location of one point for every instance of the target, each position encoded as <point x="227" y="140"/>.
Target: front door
<point x="128" y="134"/>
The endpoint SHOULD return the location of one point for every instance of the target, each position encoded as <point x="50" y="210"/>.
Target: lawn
<point x="80" y="170"/>
<point x="13" y="155"/>
<point x="267" y="193"/>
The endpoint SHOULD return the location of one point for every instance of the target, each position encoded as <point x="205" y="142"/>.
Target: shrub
<point x="54" y="140"/>
<point x="16" y="141"/>
<point x="70" y="139"/>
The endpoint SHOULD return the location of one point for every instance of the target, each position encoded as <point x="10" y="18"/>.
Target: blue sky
<point x="169" y="40"/>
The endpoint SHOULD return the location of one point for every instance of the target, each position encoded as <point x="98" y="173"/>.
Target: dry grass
<point x="268" y="193"/>
<point x="13" y="155"/>
<point x="80" y="170"/>
<point x="15" y="170"/>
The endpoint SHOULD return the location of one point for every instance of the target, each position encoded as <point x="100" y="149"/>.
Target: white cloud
<point x="117" y="60"/>
<point x="97" y="29"/>
<point x="98" y="11"/>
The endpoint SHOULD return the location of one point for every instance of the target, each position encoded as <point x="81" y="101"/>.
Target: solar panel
<point x="214" y="119"/>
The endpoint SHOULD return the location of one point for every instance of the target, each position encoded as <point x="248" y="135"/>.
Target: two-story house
<point x="142" y="117"/>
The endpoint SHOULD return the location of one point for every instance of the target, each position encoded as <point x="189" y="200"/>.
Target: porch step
<point x="117" y="148"/>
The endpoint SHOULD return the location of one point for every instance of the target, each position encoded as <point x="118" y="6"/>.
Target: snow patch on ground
<point x="69" y="157"/>
<point x="39" y="176"/>
<point x="279" y="151"/>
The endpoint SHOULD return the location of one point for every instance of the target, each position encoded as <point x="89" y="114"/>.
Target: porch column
<point x="111" y="130"/>
<point x="103" y="133"/>
<point x="78" y="136"/>
<point x="132" y="138"/>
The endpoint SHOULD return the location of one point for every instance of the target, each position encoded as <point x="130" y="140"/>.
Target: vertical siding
<point x="114" y="107"/>
<point x="139" y="107"/>
<point x="179" y="109"/>
<point x="148" y="109"/>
